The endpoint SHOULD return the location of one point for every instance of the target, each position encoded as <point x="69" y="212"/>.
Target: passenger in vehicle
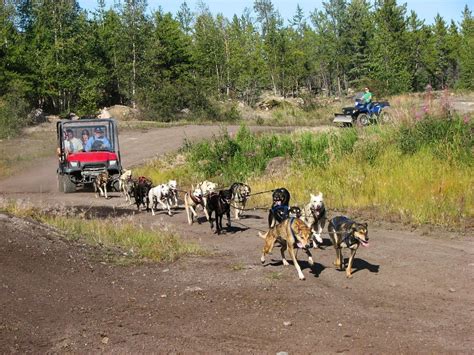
<point x="85" y="136"/>
<point x="72" y="144"/>
<point x="98" y="141"/>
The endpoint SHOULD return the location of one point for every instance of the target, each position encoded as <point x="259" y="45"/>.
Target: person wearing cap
<point x="72" y="144"/>
<point x="98" y="141"/>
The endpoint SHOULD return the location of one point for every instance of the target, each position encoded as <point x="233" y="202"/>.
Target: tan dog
<point x="100" y="183"/>
<point x="198" y="197"/>
<point x="192" y="199"/>
<point x="291" y="234"/>
<point x="207" y="188"/>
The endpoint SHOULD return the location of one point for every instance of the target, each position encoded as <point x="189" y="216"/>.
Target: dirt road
<point x="411" y="291"/>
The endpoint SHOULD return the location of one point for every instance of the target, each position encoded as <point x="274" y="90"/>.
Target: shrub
<point x="450" y="139"/>
<point x="13" y="114"/>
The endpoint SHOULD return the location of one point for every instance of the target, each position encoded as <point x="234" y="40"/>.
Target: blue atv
<point x="362" y="114"/>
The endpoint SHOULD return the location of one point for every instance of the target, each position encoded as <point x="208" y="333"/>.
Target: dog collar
<point x="194" y="198"/>
<point x="349" y="239"/>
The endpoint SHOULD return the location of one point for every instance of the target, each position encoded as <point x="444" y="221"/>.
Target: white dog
<point x="160" y="194"/>
<point x="315" y="216"/>
<point x="124" y="184"/>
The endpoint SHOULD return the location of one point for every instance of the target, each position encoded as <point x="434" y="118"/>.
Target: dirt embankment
<point x="411" y="291"/>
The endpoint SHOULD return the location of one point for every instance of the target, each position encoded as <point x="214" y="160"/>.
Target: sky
<point x="425" y="9"/>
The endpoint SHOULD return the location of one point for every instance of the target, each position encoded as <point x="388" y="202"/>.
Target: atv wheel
<point x="385" y="117"/>
<point x="363" y="120"/>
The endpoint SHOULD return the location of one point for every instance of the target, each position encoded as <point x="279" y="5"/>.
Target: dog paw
<point x="286" y="263"/>
<point x="349" y="276"/>
<point x="302" y="278"/>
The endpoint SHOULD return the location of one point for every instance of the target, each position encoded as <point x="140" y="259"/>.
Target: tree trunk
<point x="134" y="69"/>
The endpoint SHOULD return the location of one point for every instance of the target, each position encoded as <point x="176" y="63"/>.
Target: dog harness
<point x="196" y="200"/>
<point x="281" y="212"/>
<point x="348" y="237"/>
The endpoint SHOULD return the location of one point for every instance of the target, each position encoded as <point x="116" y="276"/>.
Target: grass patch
<point x="238" y="267"/>
<point x="421" y="171"/>
<point x="275" y="275"/>
<point x="136" y="242"/>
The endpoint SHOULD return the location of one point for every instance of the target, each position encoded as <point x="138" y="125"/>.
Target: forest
<point x="59" y="57"/>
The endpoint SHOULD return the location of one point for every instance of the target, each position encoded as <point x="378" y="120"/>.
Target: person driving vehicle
<point x="98" y="141"/>
<point x="367" y="98"/>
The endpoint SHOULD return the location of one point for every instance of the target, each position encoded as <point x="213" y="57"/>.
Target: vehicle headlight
<point x="74" y="164"/>
<point x="112" y="162"/>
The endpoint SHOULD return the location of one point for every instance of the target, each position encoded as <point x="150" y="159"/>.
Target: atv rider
<point x="367" y="99"/>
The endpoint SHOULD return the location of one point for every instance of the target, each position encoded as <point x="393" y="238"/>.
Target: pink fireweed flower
<point x="418" y="116"/>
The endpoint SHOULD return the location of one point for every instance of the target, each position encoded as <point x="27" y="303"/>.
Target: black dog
<point x="219" y="203"/>
<point x="141" y="187"/>
<point x="346" y="233"/>
<point x="280" y="206"/>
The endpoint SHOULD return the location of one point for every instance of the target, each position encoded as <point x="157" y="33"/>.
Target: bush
<point x="449" y="139"/>
<point x="13" y="115"/>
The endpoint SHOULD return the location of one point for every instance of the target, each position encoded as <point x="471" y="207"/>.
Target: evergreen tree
<point x="185" y="18"/>
<point x="359" y="32"/>
<point x="246" y="64"/>
<point x="441" y="52"/>
<point x="209" y="52"/>
<point x="466" y="59"/>
<point x="168" y="85"/>
<point x="420" y="59"/>
<point x="135" y="32"/>
<point x="389" y="51"/>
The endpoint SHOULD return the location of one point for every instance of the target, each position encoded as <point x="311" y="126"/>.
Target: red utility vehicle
<point x="86" y="148"/>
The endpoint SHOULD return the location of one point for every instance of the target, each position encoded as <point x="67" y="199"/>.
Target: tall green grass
<point x="421" y="171"/>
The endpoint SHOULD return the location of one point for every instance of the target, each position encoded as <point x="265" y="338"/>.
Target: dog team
<point x="289" y="227"/>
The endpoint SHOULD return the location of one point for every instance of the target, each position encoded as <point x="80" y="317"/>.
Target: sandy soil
<point x="411" y="292"/>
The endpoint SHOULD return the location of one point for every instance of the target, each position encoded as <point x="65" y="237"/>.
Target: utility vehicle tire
<point x="363" y="120"/>
<point x="66" y="185"/>
<point x="60" y="183"/>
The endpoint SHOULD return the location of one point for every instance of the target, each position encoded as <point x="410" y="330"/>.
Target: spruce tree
<point x="466" y="62"/>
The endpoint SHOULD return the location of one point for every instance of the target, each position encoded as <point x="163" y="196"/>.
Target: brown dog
<point x="100" y="182"/>
<point x="346" y="233"/>
<point x="291" y="234"/>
